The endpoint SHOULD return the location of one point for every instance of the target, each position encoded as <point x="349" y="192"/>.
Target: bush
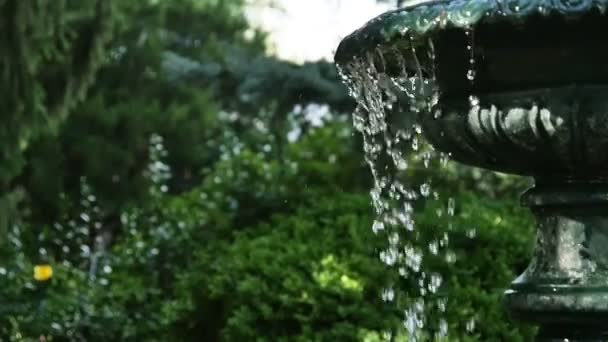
<point x="308" y="276"/>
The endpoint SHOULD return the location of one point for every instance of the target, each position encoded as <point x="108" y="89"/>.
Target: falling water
<point x="389" y="105"/>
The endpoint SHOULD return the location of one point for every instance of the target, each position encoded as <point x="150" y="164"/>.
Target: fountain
<point x="516" y="86"/>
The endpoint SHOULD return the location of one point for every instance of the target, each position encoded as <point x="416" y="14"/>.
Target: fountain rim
<point x="418" y="22"/>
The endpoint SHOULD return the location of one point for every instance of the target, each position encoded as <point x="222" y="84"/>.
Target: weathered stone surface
<point x="567" y="281"/>
<point x="557" y="133"/>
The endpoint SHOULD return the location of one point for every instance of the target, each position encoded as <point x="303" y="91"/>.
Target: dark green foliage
<point x="307" y="276"/>
<point x="172" y="205"/>
<point x="50" y="52"/>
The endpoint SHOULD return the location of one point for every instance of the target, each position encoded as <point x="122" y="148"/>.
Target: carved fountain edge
<point x="421" y="20"/>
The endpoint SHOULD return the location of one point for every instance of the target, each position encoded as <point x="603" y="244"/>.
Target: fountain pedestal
<point x="565" y="288"/>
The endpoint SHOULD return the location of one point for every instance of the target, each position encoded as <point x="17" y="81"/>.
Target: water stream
<point x="389" y="105"/>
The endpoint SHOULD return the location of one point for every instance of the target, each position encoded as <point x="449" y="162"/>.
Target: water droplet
<point x="377" y="227"/>
<point x="450" y="257"/>
<point x="415" y="144"/>
<point x="444" y="159"/>
<point x="389" y="256"/>
<point x="425" y="189"/>
<point x="443" y="329"/>
<point x="442" y="304"/>
<point x="388" y="295"/>
<point x="434" y="248"/>
<point x="471" y="75"/>
<point x="85" y="251"/>
<point x="401" y="164"/>
<point x="393" y="240"/>
<point x="435" y="283"/>
<point x="473" y="101"/>
<point x="451" y="206"/>
<point x="470" y="326"/>
<point x="412" y="258"/>
<point x="439" y="212"/>
<point x="426" y="158"/>
<point x="471" y="233"/>
<point x="85" y="217"/>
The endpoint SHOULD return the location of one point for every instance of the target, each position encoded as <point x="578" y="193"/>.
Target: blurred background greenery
<point x="182" y="182"/>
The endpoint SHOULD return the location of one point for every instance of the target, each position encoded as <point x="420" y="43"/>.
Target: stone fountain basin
<point x="555" y="132"/>
<point x="537" y="104"/>
<point x="518" y="86"/>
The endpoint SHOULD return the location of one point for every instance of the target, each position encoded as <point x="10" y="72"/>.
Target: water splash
<point x="391" y="98"/>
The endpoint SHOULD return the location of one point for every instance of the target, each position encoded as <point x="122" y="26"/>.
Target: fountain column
<point x="565" y="289"/>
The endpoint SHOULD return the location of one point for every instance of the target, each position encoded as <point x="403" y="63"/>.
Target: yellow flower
<point x="43" y="272"/>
